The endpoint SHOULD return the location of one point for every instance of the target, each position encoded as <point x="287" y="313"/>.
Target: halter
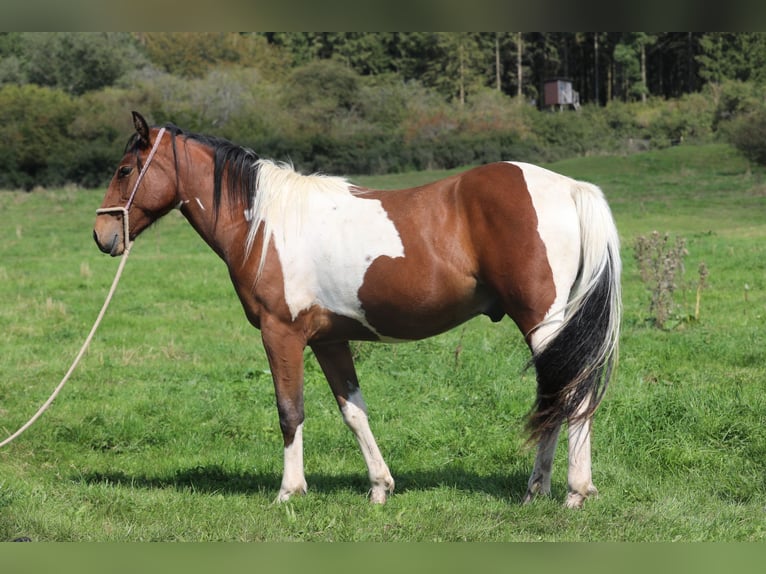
<point x="124" y="210"/>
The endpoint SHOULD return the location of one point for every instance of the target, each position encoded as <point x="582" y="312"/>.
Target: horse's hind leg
<point x="540" y="480"/>
<point x="580" y="479"/>
<point x="338" y="366"/>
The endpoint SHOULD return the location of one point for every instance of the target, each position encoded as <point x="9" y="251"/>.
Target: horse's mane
<point x="281" y="200"/>
<point x="237" y="163"/>
<point x="265" y="191"/>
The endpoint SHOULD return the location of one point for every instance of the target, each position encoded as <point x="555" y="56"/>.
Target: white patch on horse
<point x="558" y="226"/>
<point x="202" y="207"/>
<point x="326" y="237"/>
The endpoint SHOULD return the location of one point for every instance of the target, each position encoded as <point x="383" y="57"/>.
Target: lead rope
<point x="124" y="259"/>
<point x="60" y="386"/>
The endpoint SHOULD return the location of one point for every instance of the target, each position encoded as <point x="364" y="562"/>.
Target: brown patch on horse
<point x="445" y="280"/>
<point x="505" y="214"/>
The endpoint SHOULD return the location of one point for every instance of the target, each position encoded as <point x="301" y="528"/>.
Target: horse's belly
<point x="408" y="311"/>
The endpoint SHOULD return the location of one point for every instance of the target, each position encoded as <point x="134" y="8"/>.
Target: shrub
<point x="624" y="119"/>
<point x="567" y="134"/>
<point x="382" y="102"/>
<point x="733" y="98"/>
<point x="77" y="62"/>
<point x="660" y="261"/>
<point x="687" y="118"/>
<point x="34" y="139"/>
<point x="318" y="92"/>
<point x="748" y="134"/>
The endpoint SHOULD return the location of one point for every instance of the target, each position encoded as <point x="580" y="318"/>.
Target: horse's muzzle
<point x="113" y="246"/>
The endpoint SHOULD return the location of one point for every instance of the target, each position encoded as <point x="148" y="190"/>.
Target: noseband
<point x="124" y="210"/>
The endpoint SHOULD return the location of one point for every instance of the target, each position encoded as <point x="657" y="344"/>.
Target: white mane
<point x="281" y="201"/>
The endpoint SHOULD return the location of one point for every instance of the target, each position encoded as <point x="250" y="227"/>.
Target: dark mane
<point x="236" y="162"/>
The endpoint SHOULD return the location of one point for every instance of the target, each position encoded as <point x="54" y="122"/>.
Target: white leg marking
<point x="579" y="479"/>
<point x="293" y="479"/>
<point x="355" y="416"/>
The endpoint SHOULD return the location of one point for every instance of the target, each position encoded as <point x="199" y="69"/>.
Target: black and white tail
<point x="575" y="365"/>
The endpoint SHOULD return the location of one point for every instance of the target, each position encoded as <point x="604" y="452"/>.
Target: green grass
<point x="168" y="430"/>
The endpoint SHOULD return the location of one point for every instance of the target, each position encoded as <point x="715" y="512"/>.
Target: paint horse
<point x="317" y="261"/>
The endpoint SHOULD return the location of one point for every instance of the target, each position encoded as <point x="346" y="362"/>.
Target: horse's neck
<point x="220" y="232"/>
<point x="223" y="229"/>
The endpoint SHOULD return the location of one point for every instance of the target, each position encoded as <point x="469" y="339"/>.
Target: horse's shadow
<point x="215" y="479"/>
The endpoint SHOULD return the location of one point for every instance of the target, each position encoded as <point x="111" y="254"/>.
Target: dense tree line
<point x="369" y="102"/>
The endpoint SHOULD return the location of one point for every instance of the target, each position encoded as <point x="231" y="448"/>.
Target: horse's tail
<point x="575" y="365"/>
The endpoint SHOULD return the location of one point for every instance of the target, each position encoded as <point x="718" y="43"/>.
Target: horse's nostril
<point x="108" y="247"/>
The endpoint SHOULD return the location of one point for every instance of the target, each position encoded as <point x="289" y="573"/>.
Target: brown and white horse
<point x="317" y="261"/>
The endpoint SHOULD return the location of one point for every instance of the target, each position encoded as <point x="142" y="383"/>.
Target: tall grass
<point x="168" y="429"/>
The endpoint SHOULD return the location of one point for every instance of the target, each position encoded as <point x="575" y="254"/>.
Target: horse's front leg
<point x="284" y="350"/>
<point x="338" y="366"/>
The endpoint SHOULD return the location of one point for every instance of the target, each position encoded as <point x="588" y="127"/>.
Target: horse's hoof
<point x="286" y="494"/>
<point x="378" y="496"/>
<point x="528" y="497"/>
<point x="576" y="499"/>
<point x="379" y="492"/>
<point x="536" y="489"/>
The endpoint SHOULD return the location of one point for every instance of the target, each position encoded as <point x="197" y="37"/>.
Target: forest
<point x="371" y="103"/>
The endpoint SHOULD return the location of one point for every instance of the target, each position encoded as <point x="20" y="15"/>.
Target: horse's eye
<point x="124" y="171"/>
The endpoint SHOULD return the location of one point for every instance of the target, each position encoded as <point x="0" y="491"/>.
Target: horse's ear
<point x="142" y="128"/>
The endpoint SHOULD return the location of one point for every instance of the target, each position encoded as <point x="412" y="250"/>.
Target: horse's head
<point x="143" y="189"/>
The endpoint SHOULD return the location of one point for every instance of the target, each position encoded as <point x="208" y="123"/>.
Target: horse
<point x="317" y="262"/>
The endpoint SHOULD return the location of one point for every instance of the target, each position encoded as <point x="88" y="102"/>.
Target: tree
<point x="672" y="66"/>
<point x="644" y="40"/>
<point x="459" y="66"/>
<point x="77" y="62"/>
<point x="509" y="63"/>
<point x="366" y="52"/>
<point x="320" y="92"/>
<point x="193" y="54"/>
<point x="10" y="44"/>
<point x="732" y="56"/>
<point x="630" y="57"/>
<point x="544" y="59"/>
<point x="519" y="68"/>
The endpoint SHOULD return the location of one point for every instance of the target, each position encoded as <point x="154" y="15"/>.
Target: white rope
<point x="128" y="244"/>
<point x="60" y="386"/>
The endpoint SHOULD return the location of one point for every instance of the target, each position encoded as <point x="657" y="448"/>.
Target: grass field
<point x="168" y="429"/>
